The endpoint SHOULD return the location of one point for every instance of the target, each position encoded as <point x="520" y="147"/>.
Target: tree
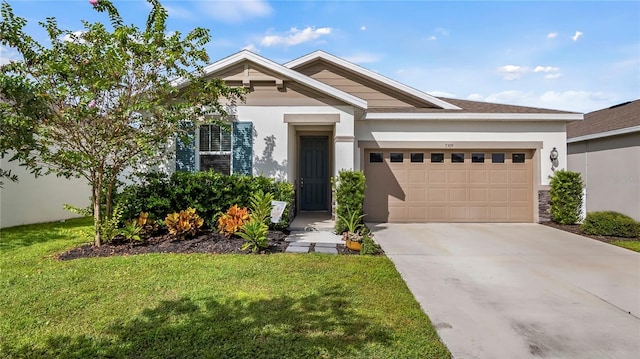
<point x="94" y="103"/>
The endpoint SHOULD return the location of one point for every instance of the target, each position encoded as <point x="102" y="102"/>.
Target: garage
<point x="434" y="185"/>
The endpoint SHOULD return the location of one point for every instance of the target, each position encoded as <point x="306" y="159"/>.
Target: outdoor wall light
<point x="553" y="156"/>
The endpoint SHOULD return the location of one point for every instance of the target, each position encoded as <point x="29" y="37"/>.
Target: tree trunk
<point x="97" y="217"/>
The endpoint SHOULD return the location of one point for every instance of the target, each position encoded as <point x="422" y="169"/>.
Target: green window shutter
<point x="242" y="148"/>
<point x="186" y="151"/>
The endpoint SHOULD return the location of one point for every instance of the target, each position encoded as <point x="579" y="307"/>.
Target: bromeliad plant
<point x="186" y="222"/>
<point x="352" y="222"/>
<point x="231" y="222"/>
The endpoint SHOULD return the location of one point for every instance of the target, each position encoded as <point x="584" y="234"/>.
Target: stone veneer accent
<point x="544" y="205"/>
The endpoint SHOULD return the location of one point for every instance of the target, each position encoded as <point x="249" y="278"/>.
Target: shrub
<point x="566" y="197"/>
<point x="609" y="223"/>
<point x="254" y="234"/>
<point x="186" y="222"/>
<point x="369" y="247"/>
<point x="210" y="193"/>
<point x="349" y="187"/>
<point x="231" y="222"/>
<point x="260" y="206"/>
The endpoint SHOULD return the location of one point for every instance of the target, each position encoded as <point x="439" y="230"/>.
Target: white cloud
<point x="235" y="11"/>
<point x="363" y="58"/>
<point x="178" y="12"/>
<point x="76" y="36"/>
<point x="546" y="69"/>
<point x="437" y="93"/>
<point x="572" y="100"/>
<point x="577" y="36"/>
<point x="363" y="28"/>
<point x="252" y="48"/>
<point x="432" y="38"/>
<point x="552" y="76"/>
<point x="442" y="31"/>
<point x="512" y="72"/>
<point x="8" y="55"/>
<point x="475" y="97"/>
<point x="295" y="36"/>
<point x="552" y="35"/>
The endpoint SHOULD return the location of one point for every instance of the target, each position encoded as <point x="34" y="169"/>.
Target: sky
<point x="568" y="55"/>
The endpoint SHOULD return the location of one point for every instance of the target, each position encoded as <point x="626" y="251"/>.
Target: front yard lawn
<point x="201" y="305"/>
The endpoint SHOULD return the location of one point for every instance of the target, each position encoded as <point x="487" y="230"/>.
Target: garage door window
<point x="437" y="158"/>
<point x="497" y="158"/>
<point x="417" y="157"/>
<point x="517" y="157"/>
<point x="397" y="157"/>
<point x="457" y="157"/>
<point x="477" y="157"/>
<point x="375" y="157"/>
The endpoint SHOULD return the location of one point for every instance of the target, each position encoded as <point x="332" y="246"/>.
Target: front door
<point x="314" y="178"/>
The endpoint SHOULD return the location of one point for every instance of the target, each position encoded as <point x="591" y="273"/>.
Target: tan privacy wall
<point x="448" y="192"/>
<point x="610" y="168"/>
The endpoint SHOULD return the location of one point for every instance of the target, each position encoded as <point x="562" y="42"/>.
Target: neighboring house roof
<point x="321" y="55"/>
<point x="615" y="120"/>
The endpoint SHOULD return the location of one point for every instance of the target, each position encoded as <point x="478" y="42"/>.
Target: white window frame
<point x="221" y="152"/>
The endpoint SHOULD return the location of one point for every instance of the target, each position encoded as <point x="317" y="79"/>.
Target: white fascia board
<point x="376" y="76"/>
<point x="294" y="75"/>
<point x="593" y="136"/>
<point x="475" y="116"/>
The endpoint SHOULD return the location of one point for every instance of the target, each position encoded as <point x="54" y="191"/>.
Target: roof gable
<point x="229" y="67"/>
<point x="369" y="76"/>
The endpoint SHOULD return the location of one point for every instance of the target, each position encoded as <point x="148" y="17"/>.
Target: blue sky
<point x="569" y="55"/>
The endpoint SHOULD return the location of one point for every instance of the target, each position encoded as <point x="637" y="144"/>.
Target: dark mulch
<point x="575" y="228"/>
<point x="208" y="242"/>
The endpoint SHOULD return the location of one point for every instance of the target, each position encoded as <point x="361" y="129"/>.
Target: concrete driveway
<point x="520" y="290"/>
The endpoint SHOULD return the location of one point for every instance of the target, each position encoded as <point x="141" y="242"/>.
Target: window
<point x="437" y="158"/>
<point x="517" y="158"/>
<point x="497" y="158"/>
<point x="457" y="157"/>
<point x="477" y="158"/>
<point x="215" y="149"/>
<point x="375" y="157"/>
<point x="417" y="157"/>
<point x="397" y="157"/>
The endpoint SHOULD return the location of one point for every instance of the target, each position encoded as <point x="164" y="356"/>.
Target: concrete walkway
<point x="313" y="232"/>
<point x="520" y="290"/>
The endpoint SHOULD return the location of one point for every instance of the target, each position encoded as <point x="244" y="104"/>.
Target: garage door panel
<point x="478" y="194"/>
<point x="478" y="177"/>
<point x="437" y="175"/>
<point x="450" y="192"/>
<point x="457" y="176"/>
<point x="458" y="194"/>
<point x="437" y="194"/>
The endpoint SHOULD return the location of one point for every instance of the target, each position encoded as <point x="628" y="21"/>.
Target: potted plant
<point x="354" y="226"/>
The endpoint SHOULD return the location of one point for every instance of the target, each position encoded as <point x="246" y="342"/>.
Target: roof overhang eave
<point x="474" y="116"/>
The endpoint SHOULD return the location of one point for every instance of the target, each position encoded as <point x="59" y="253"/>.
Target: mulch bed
<point x="207" y="242"/>
<point x="575" y="228"/>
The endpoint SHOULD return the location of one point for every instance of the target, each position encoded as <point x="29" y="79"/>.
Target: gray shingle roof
<point x="613" y="118"/>
<point x="468" y="106"/>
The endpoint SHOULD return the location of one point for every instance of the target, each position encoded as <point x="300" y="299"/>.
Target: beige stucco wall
<point x="549" y="133"/>
<point x="37" y="200"/>
<point x="610" y="168"/>
<point x="275" y="143"/>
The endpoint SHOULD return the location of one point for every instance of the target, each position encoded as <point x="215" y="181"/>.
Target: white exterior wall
<point x="551" y="134"/>
<point x="38" y="200"/>
<point x="277" y="161"/>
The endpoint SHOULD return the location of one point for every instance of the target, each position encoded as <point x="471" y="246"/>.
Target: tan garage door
<point x="449" y="185"/>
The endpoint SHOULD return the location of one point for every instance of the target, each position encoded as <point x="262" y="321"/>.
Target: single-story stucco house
<point x="426" y="158"/>
<point x="605" y="149"/>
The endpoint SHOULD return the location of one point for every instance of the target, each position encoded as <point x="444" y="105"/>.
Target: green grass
<point x="200" y="305"/>
<point x="632" y="245"/>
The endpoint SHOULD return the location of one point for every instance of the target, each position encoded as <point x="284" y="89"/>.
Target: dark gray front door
<point x="314" y="178"/>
